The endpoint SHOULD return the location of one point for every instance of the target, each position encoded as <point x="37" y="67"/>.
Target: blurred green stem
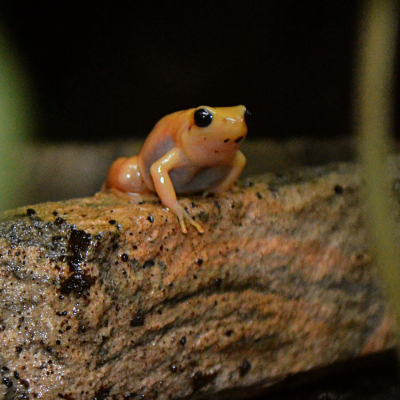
<point x="374" y="124"/>
<point x="15" y="124"/>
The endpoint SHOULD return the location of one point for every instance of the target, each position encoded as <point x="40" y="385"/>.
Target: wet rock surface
<point x="105" y="298"/>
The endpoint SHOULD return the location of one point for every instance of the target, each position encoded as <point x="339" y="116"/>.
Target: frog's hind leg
<point x="124" y="175"/>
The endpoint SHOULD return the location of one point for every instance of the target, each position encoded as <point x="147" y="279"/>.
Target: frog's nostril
<point x="247" y="116"/>
<point x="239" y="139"/>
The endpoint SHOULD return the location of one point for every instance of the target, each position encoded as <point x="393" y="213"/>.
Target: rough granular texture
<point x="105" y="298"/>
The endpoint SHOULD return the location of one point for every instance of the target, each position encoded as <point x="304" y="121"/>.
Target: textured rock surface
<point x="101" y="298"/>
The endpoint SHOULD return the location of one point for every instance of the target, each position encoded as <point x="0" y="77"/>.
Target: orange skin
<point x="179" y="156"/>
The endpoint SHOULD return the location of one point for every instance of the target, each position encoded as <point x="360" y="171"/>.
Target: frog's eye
<point x="247" y="116"/>
<point x="202" y="117"/>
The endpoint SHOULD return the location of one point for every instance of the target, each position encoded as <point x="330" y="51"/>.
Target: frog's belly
<point x="189" y="179"/>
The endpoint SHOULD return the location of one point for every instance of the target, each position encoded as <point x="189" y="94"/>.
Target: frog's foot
<point x="183" y="217"/>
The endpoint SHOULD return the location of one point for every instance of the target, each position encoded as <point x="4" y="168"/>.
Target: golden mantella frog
<point x="188" y="151"/>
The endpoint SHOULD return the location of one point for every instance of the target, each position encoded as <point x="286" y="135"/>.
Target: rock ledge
<point x="102" y="298"/>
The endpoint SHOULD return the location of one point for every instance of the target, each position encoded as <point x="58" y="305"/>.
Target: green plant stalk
<point x="374" y="101"/>
<point x="16" y="122"/>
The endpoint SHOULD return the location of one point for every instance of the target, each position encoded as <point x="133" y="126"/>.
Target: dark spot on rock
<point x="24" y="383"/>
<point x="58" y="342"/>
<point x="149" y="263"/>
<point x="130" y="396"/>
<point x="226" y="140"/>
<point x="16" y="375"/>
<point x="82" y="329"/>
<point x="272" y="188"/>
<point x="30" y="212"/>
<point x="182" y="340"/>
<point x="338" y="189"/>
<point x="244" y="368"/>
<point x="199" y="261"/>
<point x="55" y="213"/>
<point x="218" y="282"/>
<point x="7" y="382"/>
<point x="77" y="283"/>
<point x="78" y="243"/>
<point x="171" y="284"/>
<point x="137" y="320"/>
<point x="203" y="216"/>
<point x="150" y="218"/>
<point x="200" y="380"/>
<point x="18" y="349"/>
<point x="248" y="184"/>
<point x="102" y="393"/>
<point x="59" y="221"/>
<point x="259" y="195"/>
<point x="229" y="333"/>
<point x="173" y="368"/>
<point x="4" y="368"/>
<point x="112" y="221"/>
<point x="61" y="313"/>
<point x="124" y="257"/>
<point x="216" y="204"/>
<point x="56" y="238"/>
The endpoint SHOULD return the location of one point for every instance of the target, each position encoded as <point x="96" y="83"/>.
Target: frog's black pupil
<point x="202" y="118"/>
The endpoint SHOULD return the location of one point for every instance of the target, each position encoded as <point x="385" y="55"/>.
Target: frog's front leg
<point x="159" y="171"/>
<point x="238" y="162"/>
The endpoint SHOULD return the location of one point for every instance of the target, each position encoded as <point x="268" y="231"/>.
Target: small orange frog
<point x="187" y="151"/>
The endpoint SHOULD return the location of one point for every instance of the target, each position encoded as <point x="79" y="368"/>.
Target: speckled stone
<point x="105" y="298"/>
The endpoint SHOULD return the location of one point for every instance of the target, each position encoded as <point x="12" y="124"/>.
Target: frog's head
<point x="214" y="134"/>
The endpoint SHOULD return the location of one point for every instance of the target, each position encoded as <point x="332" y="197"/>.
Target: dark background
<point x="107" y="70"/>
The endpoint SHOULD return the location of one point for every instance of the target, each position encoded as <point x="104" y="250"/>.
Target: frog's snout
<point x="247" y="116"/>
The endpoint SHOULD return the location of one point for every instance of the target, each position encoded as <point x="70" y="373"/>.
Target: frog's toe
<point x="197" y="226"/>
<point x="183" y="225"/>
<point x="190" y="221"/>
